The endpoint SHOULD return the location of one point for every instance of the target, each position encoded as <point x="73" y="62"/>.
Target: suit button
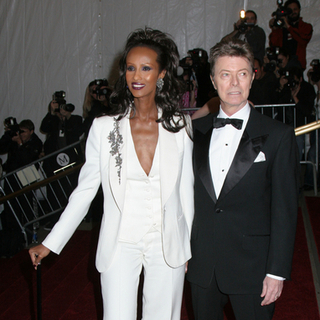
<point x="219" y="210"/>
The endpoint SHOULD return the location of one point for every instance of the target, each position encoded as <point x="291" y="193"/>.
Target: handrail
<point x="307" y="128"/>
<point x="40" y="184"/>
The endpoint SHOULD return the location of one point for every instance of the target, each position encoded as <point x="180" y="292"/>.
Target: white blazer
<point x="101" y="166"/>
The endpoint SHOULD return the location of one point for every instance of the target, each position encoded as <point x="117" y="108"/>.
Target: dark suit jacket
<point x="250" y="229"/>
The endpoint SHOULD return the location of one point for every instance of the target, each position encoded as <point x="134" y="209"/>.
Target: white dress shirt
<point x="223" y="146"/>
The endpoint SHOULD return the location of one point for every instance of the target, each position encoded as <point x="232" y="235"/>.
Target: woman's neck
<point x="145" y="109"/>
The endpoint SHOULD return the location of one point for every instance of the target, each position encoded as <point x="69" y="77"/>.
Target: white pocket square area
<point x="261" y="157"/>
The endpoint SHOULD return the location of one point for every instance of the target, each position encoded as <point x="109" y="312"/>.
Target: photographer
<point x="96" y="101"/>
<point x="263" y="88"/>
<point x="289" y="31"/>
<point x="20" y="143"/>
<point x="60" y="125"/>
<point x="23" y="146"/>
<point x="286" y="62"/>
<point x="199" y="71"/>
<point x="246" y="29"/>
<point x="293" y="89"/>
<point x="188" y="78"/>
<point x="62" y="129"/>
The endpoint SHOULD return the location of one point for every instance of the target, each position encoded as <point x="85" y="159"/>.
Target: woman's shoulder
<point x="104" y="120"/>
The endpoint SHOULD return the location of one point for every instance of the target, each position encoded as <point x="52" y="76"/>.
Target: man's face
<point x="189" y="61"/>
<point x="250" y="18"/>
<point x="233" y="77"/>
<point x="65" y="113"/>
<point x="282" y="60"/>
<point x="297" y="79"/>
<point x="257" y="70"/>
<point x="294" y="16"/>
<point x="25" y="134"/>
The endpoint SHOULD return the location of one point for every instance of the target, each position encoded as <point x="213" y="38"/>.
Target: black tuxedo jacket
<point x="249" y="230"/>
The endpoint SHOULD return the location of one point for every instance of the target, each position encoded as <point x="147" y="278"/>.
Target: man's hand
<point x="271" y="23"/>
<point x="286" y="23"/>
<point x="283" y="81"/>
<point x="37" y="254"/>
<point x="271" y="290"/>
<point x="17" y="139"/>
<point x="294" y="91"/>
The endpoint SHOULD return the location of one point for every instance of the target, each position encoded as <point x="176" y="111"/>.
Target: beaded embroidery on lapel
<point x="116" y="139"/>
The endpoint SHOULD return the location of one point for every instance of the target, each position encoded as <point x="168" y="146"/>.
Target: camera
<point x="69" y="107"/>
<point x="315" y="72"/>
<point x="279" y="14"/>
<point x="291" y="80"/>
<point x="272" y="55"/>
<point x="244" y="25"/>
<point x="59" y="96"/>
<point x="196" y="56"/>
<point x="99" y="91"/>
<point x="12" y="126"/>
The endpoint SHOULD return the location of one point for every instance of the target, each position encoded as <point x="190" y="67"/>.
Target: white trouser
<point x="162" y="289"/>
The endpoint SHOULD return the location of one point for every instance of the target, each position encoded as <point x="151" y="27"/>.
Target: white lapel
<point x="169" y="162"/>
<point x="118" y="183"/>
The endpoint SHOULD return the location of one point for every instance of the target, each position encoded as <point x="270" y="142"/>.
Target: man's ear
<point x="253" y="76"/>
<point x="213" y="81"/>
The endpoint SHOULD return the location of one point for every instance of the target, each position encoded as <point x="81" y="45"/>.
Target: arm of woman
<point x="79" y="201"/>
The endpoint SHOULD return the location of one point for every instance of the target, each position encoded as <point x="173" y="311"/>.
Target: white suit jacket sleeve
<point x="82" y="196"/>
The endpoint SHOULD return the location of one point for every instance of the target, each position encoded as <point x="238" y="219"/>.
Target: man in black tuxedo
<point x="246" y="198"/>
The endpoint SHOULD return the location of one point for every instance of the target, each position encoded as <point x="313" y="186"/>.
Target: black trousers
<point x="208" y="304"/>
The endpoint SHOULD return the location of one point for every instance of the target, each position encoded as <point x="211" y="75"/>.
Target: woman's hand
<point x="37" y="254"/>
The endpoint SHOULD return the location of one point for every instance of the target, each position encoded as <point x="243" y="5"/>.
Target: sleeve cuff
<point x="275" y="277"/>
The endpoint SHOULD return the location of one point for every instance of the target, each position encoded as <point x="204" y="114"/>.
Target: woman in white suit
<point x="142" y="157"/>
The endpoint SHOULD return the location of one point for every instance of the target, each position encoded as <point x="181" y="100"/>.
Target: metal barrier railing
<point x="306" y="128"/>
<point x="41" y="189"/>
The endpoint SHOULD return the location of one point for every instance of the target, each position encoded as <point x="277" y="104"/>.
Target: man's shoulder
<point x="258" y="29"/>
<point x="305" y="24"/>
<point x="203" y="123"/>
<point x="267" y="123"/>
<point x="308" y="88"/>
<point x="35" y="139"/>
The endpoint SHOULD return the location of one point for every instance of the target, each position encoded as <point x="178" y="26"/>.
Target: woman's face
<point x="142" y="72"/>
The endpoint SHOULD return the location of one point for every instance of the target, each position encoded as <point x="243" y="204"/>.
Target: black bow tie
<point x="221" y="122"/>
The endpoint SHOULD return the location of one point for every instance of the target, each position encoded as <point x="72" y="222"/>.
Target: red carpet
<point x="298" y="300"/>
<point x="71" y="289"/>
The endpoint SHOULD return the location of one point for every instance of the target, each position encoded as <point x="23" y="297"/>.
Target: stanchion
<point x="39" y="294"/>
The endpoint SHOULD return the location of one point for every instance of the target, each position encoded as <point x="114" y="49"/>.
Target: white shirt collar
<point x="242" y="114"/>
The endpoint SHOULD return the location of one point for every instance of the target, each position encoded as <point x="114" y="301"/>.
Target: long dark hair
<point x="168" y="98"/>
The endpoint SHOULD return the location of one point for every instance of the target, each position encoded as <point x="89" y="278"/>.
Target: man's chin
<point x="294" y="19"/>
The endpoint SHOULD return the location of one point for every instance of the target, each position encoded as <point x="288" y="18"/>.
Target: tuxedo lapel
<point x="118" y="183"/>
<point x="201" y="155"/>
<point x="250" y="145"/>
